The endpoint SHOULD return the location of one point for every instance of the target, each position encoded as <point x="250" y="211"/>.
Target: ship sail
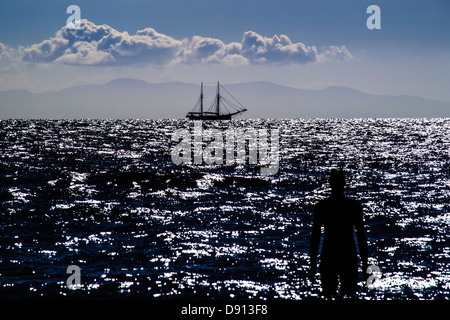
<point x="215" y="111"/>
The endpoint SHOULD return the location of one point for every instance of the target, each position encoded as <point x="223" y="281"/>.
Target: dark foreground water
<point x="106" y="196"/>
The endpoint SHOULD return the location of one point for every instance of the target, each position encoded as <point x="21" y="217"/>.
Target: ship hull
<point x="209" y="117"/>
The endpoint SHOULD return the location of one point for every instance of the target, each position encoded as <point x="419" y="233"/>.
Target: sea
<point x="98" y="209"/>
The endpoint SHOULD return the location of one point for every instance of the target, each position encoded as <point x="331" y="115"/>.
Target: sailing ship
<point x="215" y="111"/>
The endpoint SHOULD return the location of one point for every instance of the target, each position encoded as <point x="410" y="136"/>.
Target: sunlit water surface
<point x="105" y="195"/>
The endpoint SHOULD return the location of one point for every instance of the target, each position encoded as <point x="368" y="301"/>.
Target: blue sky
<point x="326" y="43"/>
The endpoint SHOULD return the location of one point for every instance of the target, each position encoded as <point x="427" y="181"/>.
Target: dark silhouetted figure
<point x="340" y="217"/>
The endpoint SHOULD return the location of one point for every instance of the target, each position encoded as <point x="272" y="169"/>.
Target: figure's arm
<point x="314" y="245"/>
<point x="362" y="240"/>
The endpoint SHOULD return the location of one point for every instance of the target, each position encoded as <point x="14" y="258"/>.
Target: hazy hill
<point x="131" y="98"/>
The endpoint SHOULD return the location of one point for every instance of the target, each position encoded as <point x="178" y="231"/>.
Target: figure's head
<point x="337" y="181"/>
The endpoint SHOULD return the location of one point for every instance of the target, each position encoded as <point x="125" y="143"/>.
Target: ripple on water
<point x="104" y="195"/>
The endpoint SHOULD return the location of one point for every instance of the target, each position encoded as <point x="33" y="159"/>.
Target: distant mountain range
<point x="131" y="98"/>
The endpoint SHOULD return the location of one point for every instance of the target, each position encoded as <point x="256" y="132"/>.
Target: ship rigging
<point x="216" y="110"/>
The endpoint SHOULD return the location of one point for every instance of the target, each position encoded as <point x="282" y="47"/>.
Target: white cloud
<point x="103" y="45"/>
<point x="4" y="54"/>
<point x="209" y="50"/>
<point x="278" y="50"/>
<point x="336" y="53"/>
<point x="85" y="53"/>
<point x="8" y="55"/>
<point x="100" y="45"/>
<point x="146" y="46"/>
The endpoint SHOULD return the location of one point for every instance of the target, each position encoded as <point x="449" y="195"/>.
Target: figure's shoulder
<point x="331" y="202"/>
<point x="354" y="205"/>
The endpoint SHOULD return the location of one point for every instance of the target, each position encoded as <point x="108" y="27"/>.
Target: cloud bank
<point x="6" y="53"/>
<point x="97" y="45"/>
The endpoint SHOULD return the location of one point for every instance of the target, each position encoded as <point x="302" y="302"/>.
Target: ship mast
<point x="201" y="99"/>
<point x="218" y="99"/>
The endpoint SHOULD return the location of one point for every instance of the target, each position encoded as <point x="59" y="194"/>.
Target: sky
<point x="302" y="44"/>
